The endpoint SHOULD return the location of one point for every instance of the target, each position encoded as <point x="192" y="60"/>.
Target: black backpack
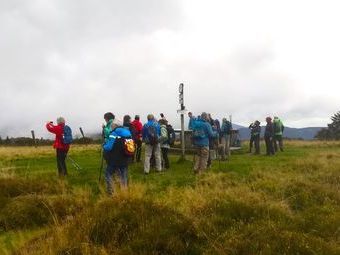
<point x="171" y="135"/>
<point x="133" y="131"/>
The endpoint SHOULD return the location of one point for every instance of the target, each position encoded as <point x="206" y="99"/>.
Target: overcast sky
<point x="250" y="59"/>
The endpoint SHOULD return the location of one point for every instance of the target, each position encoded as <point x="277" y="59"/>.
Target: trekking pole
<point x="75" y="164"/>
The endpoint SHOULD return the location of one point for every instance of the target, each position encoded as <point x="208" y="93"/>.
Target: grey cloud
<point x="66" y="57"/>
<point x="80" y="59"/>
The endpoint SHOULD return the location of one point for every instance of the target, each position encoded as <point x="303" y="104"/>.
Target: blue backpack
<point x="67" y="135"/>
<point x="198" y="131"/>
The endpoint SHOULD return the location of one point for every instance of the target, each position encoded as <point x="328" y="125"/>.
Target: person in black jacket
<point x="268" y="136"/>
<point x="255" y="132"/>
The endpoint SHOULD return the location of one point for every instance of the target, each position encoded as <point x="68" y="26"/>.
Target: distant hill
<point x="236" y="126"/>
<point x="307" y="133"/>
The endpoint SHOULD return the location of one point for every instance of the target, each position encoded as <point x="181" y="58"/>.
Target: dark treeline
<point x="27" y="141"/>
<point x="332" y="132"/>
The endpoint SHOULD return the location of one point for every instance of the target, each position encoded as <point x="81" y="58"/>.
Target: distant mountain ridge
<point x="307" y="133"/>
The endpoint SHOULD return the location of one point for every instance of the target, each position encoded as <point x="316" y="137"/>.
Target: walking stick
<point x="75" y="164"/>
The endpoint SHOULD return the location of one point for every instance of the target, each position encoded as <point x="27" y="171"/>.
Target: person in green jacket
<point x="108" y="117"/>
<point x="278" y="132"/>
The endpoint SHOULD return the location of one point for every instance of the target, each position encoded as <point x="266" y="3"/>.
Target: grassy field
<point x="286" y="204"/>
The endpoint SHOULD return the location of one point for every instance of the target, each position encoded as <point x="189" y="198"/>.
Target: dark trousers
<point x="251" y="142"/>
<point x="165" y="158"/>
<point x="257" y="144"/>
<point x="121" y="171"/>
<point x="278" y="139"/>
<point x="211" y="147"/>
<point x="61" y="157"/>
<point x="138" y="150"/>
<point x="269" y="145"/>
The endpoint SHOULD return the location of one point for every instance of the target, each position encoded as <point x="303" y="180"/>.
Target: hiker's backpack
<point x="226" y="128"/>
<point x="67" y="135"/>
<point x="171" y="135"/>
<point x="152" y="136"/>
<point x="133" y="131"/>
<point x="129" y="147"/>
<point x="163" y="139"/>
<point x="277" y="127"/>
<point x="198" y="131"/>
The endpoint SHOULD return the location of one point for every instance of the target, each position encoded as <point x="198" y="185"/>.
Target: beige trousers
<point x="148" y="153"/>
<point x="201" y="159"/>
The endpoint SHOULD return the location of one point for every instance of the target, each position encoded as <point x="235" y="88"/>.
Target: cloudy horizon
<point x="248" y="59"/>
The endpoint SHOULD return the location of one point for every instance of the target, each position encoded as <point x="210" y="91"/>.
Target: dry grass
<point x="282" y="206"/>
<point x="15" y="152"/>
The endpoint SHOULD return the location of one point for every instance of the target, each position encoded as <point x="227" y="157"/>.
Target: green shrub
<point x="24" y="212"/>
<point x="31" y="211"/>
<point x="13" y="187"/>
<point x="126" y="226"/>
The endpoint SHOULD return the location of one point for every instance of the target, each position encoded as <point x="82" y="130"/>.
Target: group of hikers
<point x="122" y="142"/>
<point x="272" y="136"/>
<point x="210" y="138"/>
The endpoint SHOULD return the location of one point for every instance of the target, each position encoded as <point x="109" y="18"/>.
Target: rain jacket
<point x="107" y="129"/>
<point x="269" y="131"/>
<point x="255" y="130"/>
<point x="58" y="130"/>
<point x="202" y="131"/>
<point x="138" y="127"/>
<point x="278" y="126"/>
<point x="114" y="147"/>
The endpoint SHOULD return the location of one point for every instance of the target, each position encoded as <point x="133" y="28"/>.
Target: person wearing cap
<point x="268" y="136"/>
<point x="117" y="160"/>
<point x="59" y="145"/>
<point x="278" y="132"/>
<point x="255" y="132"/>
<point x="202" y="132"/>
<point x="138" y="128"/>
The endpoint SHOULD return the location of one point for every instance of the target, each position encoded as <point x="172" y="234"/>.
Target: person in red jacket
<point x="59" y="145"/>
<point x="138" y="127"/>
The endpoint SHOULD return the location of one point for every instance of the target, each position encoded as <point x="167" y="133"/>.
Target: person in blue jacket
<point x="117" y="160"/>
<point x="202" y="131"/>
<point x="191" y="120"/>
<point x="151" y="133"/>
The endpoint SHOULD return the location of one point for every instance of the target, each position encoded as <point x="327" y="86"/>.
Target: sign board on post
<point x="182" y="111"/>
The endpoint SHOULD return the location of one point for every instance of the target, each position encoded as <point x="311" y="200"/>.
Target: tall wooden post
<point x="82" y="132"/>
<point x="182" y="111"/>
<point x="33" y="137"/>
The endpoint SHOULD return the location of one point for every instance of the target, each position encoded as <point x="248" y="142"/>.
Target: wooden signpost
<point x="182" y="111"/>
